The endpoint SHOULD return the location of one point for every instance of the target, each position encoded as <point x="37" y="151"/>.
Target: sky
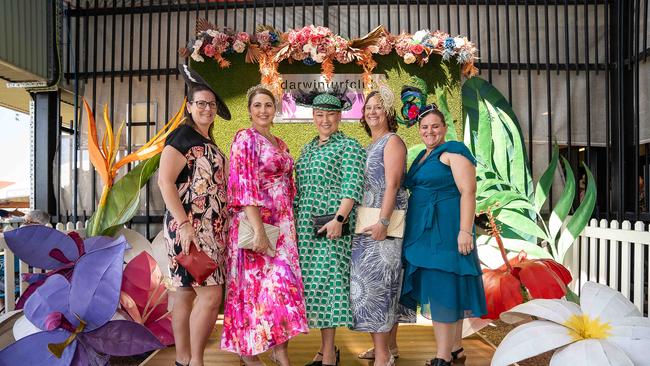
<point x="14" y="152"/>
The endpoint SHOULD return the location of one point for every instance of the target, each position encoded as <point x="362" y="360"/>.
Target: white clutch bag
<point x="368" y="216"/>
<point x="245" y="236"/>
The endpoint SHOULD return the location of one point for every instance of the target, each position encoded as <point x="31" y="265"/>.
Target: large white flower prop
<point x="605" y="329"/>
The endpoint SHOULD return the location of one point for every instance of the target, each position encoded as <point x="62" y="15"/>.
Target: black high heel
<point x="337" y="351"/>
<point x="440" y="362"/>
<point x="316" y="363"/>
<point x="179" y="364"/>
<point x="458" y="360"/>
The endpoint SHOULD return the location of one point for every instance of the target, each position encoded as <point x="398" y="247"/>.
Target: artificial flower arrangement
<point x="71" y="315"/>
<point x="120" y="198"/>
<point x="521" y="279"/>
<point x="604" y="328"/>
<point x="319" y="45"/>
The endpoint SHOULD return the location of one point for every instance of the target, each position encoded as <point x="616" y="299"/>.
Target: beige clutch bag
<point x="245" y="236"/>
<point x="367" y="216"/>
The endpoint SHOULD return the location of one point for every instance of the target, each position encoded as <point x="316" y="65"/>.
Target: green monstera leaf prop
<point x="504" y="182"/>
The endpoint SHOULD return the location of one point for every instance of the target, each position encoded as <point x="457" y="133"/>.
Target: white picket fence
<point x="613" y="254"/>
<point x="609" y="253"/>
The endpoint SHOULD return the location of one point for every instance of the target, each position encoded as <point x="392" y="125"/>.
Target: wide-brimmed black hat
<point x="193" y="78"/>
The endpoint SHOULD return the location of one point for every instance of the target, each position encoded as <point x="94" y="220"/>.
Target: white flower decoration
<point x="420" y="35"/>
<point x="459" y="41"/>
<point x="606" y="329"/>
<point x="239" y="46"/>
<point x="196" y="56"/>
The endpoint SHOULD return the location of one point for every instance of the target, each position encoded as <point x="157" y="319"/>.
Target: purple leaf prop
<point x="99" y="242"/>
<point x="86" y="355"/>
<point x="80" y="356"/>
<point x="51" y="297"/>
<point x="92" y="296"/>
<point x="32" y="350"/>
<point x="122" y="338"/>
<point x="32" y="278"/>
<point x="96" y="282"/>
<point x="42" y="247"/>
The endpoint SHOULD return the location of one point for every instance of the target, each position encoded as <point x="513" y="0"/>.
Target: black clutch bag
<point x="320" y="221"/>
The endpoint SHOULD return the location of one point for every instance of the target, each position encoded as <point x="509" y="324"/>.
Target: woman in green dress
<point x="329" y="177"/>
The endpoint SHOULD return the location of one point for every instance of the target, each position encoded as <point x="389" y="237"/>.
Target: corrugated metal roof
<point x="24" y="36"/>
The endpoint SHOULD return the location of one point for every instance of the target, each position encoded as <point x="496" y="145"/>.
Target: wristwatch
<point x="384" y="221"/>
<point x="340" y="218"/>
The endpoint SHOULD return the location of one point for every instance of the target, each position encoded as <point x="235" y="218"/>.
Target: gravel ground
<point x="497" y="333"/>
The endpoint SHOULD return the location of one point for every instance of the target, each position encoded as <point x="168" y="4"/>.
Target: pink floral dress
<point x="264" y="304"/>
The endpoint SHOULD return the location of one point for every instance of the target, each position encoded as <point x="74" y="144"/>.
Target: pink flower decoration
<point x="264" y="37"/>
<point x="239" y="46"/>
<point x="209" y="50"/>
<point x="244" y="37"/>
<point x="413" y="112"/>
<point x="417" y="49"/>
<point x="220" y="38"/>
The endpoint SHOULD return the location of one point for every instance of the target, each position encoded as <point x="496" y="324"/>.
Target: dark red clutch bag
<point x="198" y="264"/>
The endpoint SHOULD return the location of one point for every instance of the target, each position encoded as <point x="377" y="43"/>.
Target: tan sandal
<point x="369" y="354"/>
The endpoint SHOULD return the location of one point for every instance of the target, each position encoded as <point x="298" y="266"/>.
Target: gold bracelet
<point x="467" y="232"/>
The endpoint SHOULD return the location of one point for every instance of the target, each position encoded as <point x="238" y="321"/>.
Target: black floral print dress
<point x="202" y="190"/>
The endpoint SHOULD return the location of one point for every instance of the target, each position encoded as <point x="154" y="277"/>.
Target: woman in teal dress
<point x="442" y="272"/>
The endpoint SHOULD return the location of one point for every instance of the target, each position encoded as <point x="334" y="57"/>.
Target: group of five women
<point x="318" y="273"/>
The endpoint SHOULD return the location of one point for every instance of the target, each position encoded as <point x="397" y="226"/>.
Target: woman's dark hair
<point x="390" y="115"/>
<point x="432" y="109"/>
<point x="193" y="90"/>
<point x="260" y="90"/>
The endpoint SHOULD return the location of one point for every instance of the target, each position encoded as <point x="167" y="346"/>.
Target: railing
<point x="614" y="254"/>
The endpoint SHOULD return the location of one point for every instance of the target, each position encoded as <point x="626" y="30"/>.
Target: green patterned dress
<point x="324" y="175"/>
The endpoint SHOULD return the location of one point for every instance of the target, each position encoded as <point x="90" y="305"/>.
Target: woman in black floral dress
<point x="192" y="181"/>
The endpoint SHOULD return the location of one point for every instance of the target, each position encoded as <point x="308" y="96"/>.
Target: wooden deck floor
<point x="416" y="344"/>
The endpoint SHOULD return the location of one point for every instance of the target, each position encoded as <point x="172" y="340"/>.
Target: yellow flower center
<point x="583" y="327"/>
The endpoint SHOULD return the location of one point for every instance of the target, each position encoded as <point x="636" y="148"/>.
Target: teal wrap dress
<point x="445" y="283"/>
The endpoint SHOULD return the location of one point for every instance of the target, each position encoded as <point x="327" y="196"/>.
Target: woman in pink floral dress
<point x="264" y="299"/>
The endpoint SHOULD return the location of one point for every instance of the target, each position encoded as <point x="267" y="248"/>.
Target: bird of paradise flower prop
<point x="120" y="199"/>
<point x="605" y="329"/>
<point x="520" y="279"/>
<point x="144" y="297"/>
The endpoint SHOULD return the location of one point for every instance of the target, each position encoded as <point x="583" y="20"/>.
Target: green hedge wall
<point x="233" y="82"/>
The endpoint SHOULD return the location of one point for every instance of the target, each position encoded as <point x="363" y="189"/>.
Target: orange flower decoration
<point x="104" y="156"/>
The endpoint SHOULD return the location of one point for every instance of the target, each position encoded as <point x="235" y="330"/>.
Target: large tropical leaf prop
<point x="504" y="182"/>
<point x="492" y="134"/>
<point x="120" y="200"/>
<point x="74" y="316"/>
<point x="144" y="297"/>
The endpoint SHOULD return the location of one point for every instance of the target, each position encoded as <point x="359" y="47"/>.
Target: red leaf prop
<point x="518" y="277"/>
<point x="543" y="278"/>
<point x="144" y="296"/>
<point x="502" y="292"/>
